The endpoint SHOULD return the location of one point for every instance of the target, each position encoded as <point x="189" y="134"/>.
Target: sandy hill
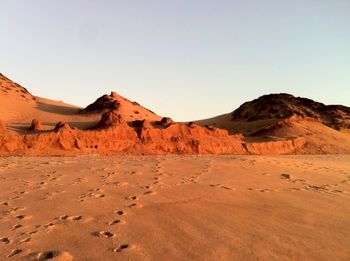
<point x="272" y="124"/>
<point x="112" y="124"/>
<point x="283" y="116"/>
<point x="19" y="108"/>
<point x="128" y="109"/>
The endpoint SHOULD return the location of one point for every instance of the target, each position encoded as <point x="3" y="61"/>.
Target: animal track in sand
<point x="105" y="234"/>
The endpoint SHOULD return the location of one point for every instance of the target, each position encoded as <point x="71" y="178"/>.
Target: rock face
<point x="110" y="119"/>
<point x="284" y="106"/>
<point x="35" y="125"/>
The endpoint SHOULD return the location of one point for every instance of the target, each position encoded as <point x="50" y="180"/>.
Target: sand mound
<point x="105" y="102"/>
<point x="283" y="117"/>
<point x="284" y="106"/>
<point x="115" y="102"/>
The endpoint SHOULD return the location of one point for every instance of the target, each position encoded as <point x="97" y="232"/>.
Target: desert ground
<point x="173" y="207"/>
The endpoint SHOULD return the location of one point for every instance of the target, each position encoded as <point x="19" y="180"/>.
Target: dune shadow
<point x="23" y="127"/>
<point x="57" y="109"/>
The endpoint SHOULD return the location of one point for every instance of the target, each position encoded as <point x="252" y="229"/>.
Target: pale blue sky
<point x="188" y="59"/>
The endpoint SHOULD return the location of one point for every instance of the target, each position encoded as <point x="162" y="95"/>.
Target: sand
<point x="175" y="208"/>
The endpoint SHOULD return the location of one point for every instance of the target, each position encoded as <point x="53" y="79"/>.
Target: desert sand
<point x="173" y="207"/>
<point x="116" y="181"/>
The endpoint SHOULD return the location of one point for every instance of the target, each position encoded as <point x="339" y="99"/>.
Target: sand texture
<point x="175" y="208"/>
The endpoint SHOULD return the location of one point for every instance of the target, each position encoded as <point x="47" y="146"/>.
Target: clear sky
<point x="187" y="59"/>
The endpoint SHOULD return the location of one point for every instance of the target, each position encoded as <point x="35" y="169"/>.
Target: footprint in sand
<point x="23" y="217"/>
<point x="120" y="212"/>
<point x="285" y="176"/>
<point x="121" y="247"/>
<point x="4" y="240"/>
<point x="265" y="190"/>
<point x="14" y="252"/>
<point x="105" y="234"/>
<point x="50" y="255"/>
<point x="25" y="240"/>
<point x="131" y="198"/>
<point x="135" y="205"/>
<point x="220" y="186"/>
<point x="71" y="218"/>
<point x="121" y="184"/>
<point x="150" y="192"/>
<point x="15" y="197"/>
<point x="117" y="221"/>
<point x="16" y="227"/>
<point x="75" y="218"/>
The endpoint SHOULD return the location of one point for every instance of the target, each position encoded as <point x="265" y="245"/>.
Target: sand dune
<point x="112" y="125"/>
<point x="279" y="117"/>
<point x="175" y="208"/>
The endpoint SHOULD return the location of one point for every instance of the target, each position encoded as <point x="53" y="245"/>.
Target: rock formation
<point x="35" y="125"/>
